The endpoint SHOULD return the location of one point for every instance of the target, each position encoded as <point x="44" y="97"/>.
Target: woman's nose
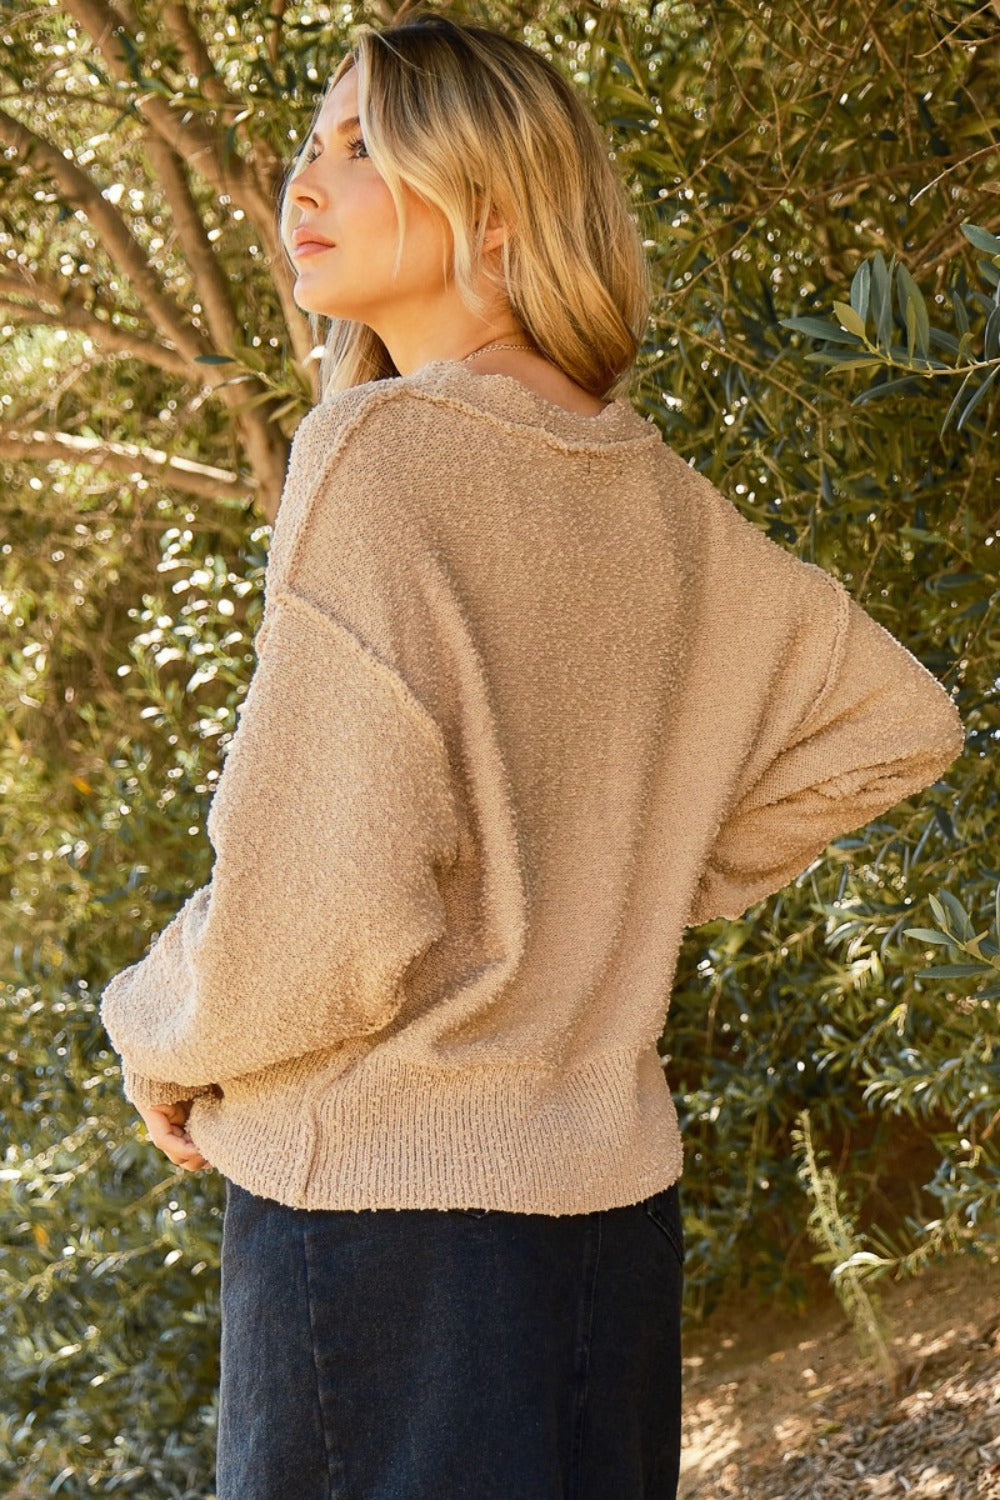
<point x="302" y="192"/>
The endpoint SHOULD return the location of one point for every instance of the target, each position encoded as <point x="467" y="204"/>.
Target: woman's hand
<point x="166" y="1126"/>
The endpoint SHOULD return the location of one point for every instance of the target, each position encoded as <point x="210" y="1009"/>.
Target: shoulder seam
<point x="838" y="644"/>
<point x="356" y="418"/>
<point x="397" y="684"/>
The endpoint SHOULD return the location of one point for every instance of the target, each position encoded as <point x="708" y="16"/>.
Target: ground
<point x="786" y="1408"/>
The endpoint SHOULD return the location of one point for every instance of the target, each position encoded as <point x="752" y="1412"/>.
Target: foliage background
<point x="152" y="370"/>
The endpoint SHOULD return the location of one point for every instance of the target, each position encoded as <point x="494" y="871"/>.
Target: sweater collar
<point x="507" y="397"/>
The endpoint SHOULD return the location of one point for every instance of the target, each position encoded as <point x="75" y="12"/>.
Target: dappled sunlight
<point x="808" y="1418"/>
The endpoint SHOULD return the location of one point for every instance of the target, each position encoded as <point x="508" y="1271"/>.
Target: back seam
<point x="333" y="1464"/>
<point x="581" y="1372"/>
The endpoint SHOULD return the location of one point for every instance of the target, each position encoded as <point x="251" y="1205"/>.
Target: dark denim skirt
<point x="449" y="1354"/>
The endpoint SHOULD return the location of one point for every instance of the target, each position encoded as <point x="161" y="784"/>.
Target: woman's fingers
<point x="195" y="1160"/>
<point x="171" y="1137"/>
<point x="182" y="1150"/>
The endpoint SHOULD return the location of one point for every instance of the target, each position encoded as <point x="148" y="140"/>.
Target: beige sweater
<point x="531" y="695"/>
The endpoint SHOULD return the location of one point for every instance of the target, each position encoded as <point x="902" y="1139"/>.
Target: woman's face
<point x="343" y="200"/>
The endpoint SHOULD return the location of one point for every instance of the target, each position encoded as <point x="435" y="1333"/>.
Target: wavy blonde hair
<point x="473" y="121"/>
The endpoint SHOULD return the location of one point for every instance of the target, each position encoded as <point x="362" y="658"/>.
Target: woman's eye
<point x="353" y="145"/>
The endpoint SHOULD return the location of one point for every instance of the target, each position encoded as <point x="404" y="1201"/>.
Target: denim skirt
<point x="449" y="1354"/>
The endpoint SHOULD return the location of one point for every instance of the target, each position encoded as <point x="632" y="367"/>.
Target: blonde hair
<point x="473" y="121"/>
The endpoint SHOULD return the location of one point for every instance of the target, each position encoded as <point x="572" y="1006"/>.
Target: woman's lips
<point x="311" y="247"/>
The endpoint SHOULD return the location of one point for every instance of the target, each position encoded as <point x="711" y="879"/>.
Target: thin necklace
<point x="494" y="345"/>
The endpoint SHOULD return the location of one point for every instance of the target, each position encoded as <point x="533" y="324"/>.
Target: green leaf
<point x="213" y="359"/>
<point x="981" y="238"/>
<point x="956" y="399"/>
<point x="882" y="299"/>
<point x="887" y="388"/>
<point x="941" y="338"/>
<point x="850" y="319"/>
<point x="928" y="935"/>
<point x="991" y="337"/>
<point x="842" y="360"/>
<point x="819" y="328"/>
<point x="876" y="286"/>
<point x="959" y="313"/>
<point x="861" y="289"/>
<point x="915" y="313"/>
<point x="961" y="923"/>
<point x="974" y="402"/>
<point x="951" y="971"/>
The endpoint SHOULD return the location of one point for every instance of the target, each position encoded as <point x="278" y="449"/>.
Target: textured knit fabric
<point x="531" y="696"/>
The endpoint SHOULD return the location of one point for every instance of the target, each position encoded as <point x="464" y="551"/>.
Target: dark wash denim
<point x="449" y="1354"/>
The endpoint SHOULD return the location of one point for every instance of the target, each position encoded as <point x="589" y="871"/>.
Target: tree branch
<point x="40" y="289"/>
<point x="125" y="458"/>
<point x="266" y="445"/>
<point x="126" y="252"/>
<point x="115" y="340"/>
<point x="196" y="56"/>
<point x="249" y="183"/>
<point x="283" y="280"/>
<point x="127" y="14"/>
<point x="209" y="280"/>
<point x="277" y="12"/>
<point x="188" y="136"/>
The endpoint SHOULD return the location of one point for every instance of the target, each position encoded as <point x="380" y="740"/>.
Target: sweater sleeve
<point x="142" y="1091"/>
<point x="331" y="820"/>
<point x="881" y="728"/>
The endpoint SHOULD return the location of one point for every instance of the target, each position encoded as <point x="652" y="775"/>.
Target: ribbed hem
<point x="393" y="1133"/>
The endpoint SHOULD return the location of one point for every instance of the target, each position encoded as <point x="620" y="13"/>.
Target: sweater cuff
<point x="143" y="1092"/>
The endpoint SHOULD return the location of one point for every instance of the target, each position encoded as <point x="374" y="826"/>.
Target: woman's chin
<point x="317" y="305"/>
<point x="311" y="299"/>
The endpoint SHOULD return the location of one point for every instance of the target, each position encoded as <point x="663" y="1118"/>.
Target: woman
<point x="531" y="696"/>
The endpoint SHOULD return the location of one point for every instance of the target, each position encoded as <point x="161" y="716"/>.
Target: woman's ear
<point x="496" y="233"/>
<point x="497" y="230"/>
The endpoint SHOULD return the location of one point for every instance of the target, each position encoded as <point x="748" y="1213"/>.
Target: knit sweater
<point x="530" y="697"/>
